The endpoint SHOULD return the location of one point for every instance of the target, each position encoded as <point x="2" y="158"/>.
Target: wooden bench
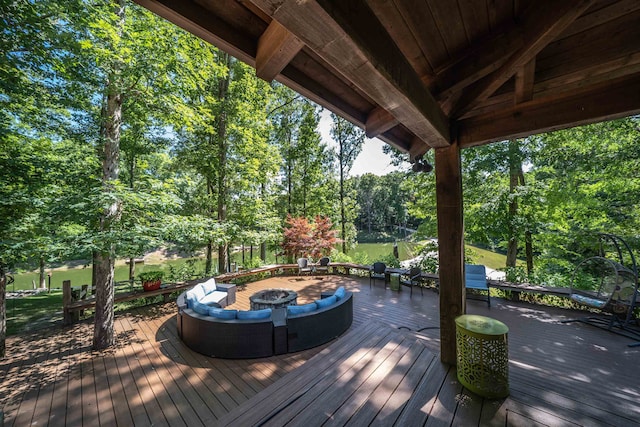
<point x="517" y="288"/>
<point x="72" y="309"/>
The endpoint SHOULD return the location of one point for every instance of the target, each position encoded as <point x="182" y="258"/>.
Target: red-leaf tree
<point x="302" y="238"/>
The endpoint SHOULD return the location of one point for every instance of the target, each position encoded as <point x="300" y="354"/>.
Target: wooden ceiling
<point x="422" y="73"/>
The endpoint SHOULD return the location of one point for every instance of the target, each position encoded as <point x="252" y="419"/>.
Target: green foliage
<point x="151" y="275"/>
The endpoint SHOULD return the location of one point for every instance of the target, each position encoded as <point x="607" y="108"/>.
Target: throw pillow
<point x="326" y="302"/>
<point x="340" y="292"/>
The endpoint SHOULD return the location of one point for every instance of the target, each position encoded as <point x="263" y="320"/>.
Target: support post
<point x="451" y="246"/>
<point x="66" y="300"/>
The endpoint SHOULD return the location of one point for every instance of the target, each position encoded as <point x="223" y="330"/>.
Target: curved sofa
<point x="283" y="330"/>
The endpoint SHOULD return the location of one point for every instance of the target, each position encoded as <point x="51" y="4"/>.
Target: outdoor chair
<point x="415" y="277"/>
<point x="475" y="279"/>
<point x="377" y="271"/>
<point x="304" y="267"/>
<point x="323" y="265"/>
<point x="609" y="288"/>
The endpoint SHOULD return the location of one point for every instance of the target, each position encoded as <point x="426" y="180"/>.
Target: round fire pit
<point x="273" y="298"/>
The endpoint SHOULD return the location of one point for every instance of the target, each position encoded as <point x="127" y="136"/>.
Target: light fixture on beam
<point x="421" y="165"/>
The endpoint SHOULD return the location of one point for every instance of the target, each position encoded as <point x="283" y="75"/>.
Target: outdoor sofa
<point x="239" y="334"/>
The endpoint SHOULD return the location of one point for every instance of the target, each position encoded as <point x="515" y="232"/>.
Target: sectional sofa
<point x="206" y="327"/>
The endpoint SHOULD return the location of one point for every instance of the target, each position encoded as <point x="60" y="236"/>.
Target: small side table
<point x="279" y="316"/>
<point x="482" y="355"/>
<point x="231" y="291"/>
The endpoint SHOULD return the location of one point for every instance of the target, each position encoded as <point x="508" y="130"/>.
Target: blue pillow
<point x="220" y="313"/>
<point x="265" y="313"/>
<point x="326" y="302"/>
<point x="200" y="308"/>
<point x="340" y="293"/>
<point x="299" y="309"/>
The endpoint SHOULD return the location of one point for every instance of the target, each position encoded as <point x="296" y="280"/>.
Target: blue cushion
<point x="220" y="313"/>
<point x="299" y="309"/>
<point x="340" y="292"/>
<point x="209" y="286"/>
<point x="254" y="314"/>
<point x="591" y="302"/>
<point x="326" y="302"/>
<point x="201" y="308"/>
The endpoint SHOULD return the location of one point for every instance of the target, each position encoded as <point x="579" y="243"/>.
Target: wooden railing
<point x="75" y="300"/>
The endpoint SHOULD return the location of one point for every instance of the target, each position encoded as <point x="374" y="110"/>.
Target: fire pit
<point x="273" y="298"/>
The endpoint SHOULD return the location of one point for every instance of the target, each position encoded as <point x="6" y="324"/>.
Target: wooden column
<point x="451" y="246"/>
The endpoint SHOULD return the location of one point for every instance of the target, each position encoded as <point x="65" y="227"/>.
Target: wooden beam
<point x="379" y="121"/>
<point x="349" y="37"/>
<point x="450" y="247"/>
<point x="276" y="48"/>
<point x="525" y="77"/>
<point x="206" y="25"/>
<point x="605" y="101"/>
<point x="543" y="23"/>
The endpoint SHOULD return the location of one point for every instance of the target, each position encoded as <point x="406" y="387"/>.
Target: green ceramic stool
<point x="482" y="355"/>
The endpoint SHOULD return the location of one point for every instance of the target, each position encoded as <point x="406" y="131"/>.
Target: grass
<point x="30" y="312"/>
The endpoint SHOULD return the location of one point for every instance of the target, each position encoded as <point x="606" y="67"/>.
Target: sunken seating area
<point x="239" y="334"/>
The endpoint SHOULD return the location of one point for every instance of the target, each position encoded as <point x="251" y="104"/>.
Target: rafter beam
<point x="204" y="24"/>
<point x="605" y="101"/>
<point x="543" y="22"/>
<point x="276" y="48"/>
<point x="525" y="78"/>
<point x="349" y="37"/>
<point x="379" y="121"/>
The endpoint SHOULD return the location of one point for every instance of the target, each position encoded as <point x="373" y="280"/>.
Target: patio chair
<point x="414" y="279"/>
<point x="304" y="266"/>
<point x="475" y="279"/>
<point x="377" y="271"/>
<point x="608" y="287"/>
<point x="323" y="265"/>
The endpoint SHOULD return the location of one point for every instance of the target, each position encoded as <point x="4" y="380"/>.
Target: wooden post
<point x="66" y="300"/>
<point x="83" y="296"/>
<point x="451" y="246"/>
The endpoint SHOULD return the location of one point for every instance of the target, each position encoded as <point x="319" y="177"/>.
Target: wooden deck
<point x="560" y="374"/>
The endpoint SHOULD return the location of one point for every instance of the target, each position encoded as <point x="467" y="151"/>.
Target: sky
<point x="370" y="160"/>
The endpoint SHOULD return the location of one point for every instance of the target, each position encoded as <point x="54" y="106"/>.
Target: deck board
<point x="560" y="374"/>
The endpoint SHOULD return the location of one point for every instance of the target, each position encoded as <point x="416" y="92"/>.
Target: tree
<point x="302" y="238"/>
<point x="350" y="140"/>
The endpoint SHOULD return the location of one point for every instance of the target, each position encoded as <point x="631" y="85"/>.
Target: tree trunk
<point x="515" y="170"/>
<point x="132" y="269"/>
<point x="3" y="311"/>
<point x="43" y="280"/>
<point x="103" y="334"/>
<point x="208" y="266"/>
<point x="263" y="251"/>
<point x="223" y="89"/>
<point x="529" y="251"/>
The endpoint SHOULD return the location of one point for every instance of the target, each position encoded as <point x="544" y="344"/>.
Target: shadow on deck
<point x="560" y="374"/>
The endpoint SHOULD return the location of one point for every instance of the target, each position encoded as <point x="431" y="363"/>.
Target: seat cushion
<point x="300" y="309"/>
<point x="591" y="302"/>
<point x="200" y="308"/>
<point x="254" y="314"/>
<point x="220" y="313"/>
<point x="214" y="297"/>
